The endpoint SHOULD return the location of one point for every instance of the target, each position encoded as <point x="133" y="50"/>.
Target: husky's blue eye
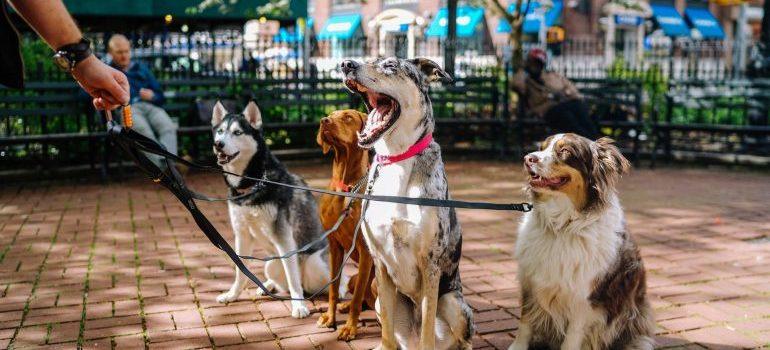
<point x="220" y="131"/>
<point x="237" y="133"/>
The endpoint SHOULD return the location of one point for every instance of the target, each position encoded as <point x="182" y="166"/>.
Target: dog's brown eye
<point x="565" y="152"/>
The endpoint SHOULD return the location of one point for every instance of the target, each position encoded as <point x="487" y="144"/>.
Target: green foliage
<point x="37" y="59"/>
<point x="723" y="110"/>
<point x="654" y="83"/>
<point x="273" y="8"/>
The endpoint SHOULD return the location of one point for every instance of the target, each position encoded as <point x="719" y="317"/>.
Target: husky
<point x="416" y="249"/>
<point x="280" y="219"/>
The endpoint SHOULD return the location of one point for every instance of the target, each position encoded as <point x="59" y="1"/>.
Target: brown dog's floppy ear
<point x="218" y="114"/>
<point x="431" y="70"/>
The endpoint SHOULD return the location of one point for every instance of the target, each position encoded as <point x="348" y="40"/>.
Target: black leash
<point x="150" y="146"/>
<point x="134" y="144"/>
<point x="126" y="139"/>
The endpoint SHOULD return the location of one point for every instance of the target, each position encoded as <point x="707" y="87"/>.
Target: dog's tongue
<point x="543" y="181"/>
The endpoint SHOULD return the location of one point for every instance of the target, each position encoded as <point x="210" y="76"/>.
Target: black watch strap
<point x="75" y="52"/>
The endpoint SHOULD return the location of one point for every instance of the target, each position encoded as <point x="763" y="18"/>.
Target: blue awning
<point x="669" y="19"/>
<point x="704" y="21"/>
<point x="340" y="27"/>
<point x="533" y="17"/>
<point x="285" y="36"/>
<point x="468" y="20"/>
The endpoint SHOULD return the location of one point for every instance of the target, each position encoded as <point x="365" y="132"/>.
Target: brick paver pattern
<point x="124" y="266"/>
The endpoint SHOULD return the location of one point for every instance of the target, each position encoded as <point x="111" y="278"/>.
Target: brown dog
<point x="338" y="131"/>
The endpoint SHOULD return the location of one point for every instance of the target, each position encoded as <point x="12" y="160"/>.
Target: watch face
<point x="62" y="62"/>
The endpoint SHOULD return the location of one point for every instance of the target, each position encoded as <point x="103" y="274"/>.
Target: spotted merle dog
<point x="416" y="249"/>
<point x="280" y="219"/>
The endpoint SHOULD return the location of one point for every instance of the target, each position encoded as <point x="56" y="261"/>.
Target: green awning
<point x="242" y="9"/>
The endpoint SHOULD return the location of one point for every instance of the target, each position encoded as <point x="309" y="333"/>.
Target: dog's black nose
<point x="531" y="159"/>
<point x="219" y="145"/>
<point x="348" y="66"/>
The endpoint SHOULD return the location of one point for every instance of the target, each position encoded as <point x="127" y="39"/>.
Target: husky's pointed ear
<point x="253" y="115"/>
<point x="218" y="114"/>
<point x="431" y="70"/>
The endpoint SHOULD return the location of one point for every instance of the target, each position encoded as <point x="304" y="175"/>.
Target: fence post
<point x="506" y="113"/>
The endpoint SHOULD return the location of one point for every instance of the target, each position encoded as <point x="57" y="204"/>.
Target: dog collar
<point x="341" y="186"/>
<point x="414" y="150"/>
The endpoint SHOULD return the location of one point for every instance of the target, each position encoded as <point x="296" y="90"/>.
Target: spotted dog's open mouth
<point x="537" y="181"/>
<point x="383" y="112"/>
<point x="223" y="158"/>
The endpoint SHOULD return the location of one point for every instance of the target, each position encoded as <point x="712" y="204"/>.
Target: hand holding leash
<point x="128" y="117"/>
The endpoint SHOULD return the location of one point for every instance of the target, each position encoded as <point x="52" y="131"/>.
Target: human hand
<point x="108" y="86"/>
<point x="146" y="94"/>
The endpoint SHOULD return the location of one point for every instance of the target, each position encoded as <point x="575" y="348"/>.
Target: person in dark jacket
<point x="150" y="119"/>
<point x="50" y="19"/>
<point x="552" y="97"/>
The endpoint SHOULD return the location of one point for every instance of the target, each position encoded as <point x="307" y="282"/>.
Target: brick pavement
<point x="123" y="265"/>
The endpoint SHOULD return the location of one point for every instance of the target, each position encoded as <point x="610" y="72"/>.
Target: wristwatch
<point x="67" y="56"/>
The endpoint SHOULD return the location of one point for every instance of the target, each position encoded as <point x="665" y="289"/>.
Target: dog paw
<point x="227" y="297"/>
<point x="326" y="321"/>
<point x="299" y="311"/>
<point x="344" y="307"/>
<point x="347" y="332"/>
<point x="269" y="285"/>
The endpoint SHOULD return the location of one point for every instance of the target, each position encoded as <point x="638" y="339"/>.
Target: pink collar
<point x="415" y="149"/>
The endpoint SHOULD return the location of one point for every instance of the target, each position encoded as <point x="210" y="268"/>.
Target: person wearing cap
<point x="552" y="97"/>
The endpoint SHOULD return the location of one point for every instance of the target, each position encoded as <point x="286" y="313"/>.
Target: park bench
<point x="39" y="124"/>
<point x="615" y="106"/>
<point x="47" y="115"/>
<point x="714" y="120"/>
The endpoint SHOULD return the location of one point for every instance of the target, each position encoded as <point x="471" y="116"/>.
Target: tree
<point x="273" y="8"/>
<point x="515" y="20"/>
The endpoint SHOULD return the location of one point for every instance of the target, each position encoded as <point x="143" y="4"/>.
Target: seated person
<point x="553" y="97"/>
<point x="147" y="98"/>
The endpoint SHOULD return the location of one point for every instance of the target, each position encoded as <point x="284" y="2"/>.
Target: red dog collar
<point x="415" y="149"/>
<point x="341" y="186"/>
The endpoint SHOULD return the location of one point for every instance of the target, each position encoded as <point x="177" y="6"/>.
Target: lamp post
<point x="741" y="41"/>
<point x="451" y="37"/>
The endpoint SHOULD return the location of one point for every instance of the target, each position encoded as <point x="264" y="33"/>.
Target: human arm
<point x="519" y="81"/>
<point x="153" y="91"/>
<point x="53" y="23"/>
<point x="570" y="90"/>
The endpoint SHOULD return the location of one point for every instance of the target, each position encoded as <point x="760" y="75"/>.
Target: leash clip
<point x="526" y="207"/>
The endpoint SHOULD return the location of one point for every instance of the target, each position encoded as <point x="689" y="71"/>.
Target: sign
<point x="555" y="35"/>
<point x="628" y="20"/>
<point x="729" y="2"/>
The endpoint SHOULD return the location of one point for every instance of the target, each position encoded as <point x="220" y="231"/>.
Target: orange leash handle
<point x="128" y="120"/>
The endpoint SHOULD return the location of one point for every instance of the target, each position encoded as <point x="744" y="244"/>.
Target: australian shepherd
<point x="582" y="278"/>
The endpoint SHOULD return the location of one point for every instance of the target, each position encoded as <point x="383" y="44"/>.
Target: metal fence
<point x="226" y="52"/>
<point x="48" y="126"/>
